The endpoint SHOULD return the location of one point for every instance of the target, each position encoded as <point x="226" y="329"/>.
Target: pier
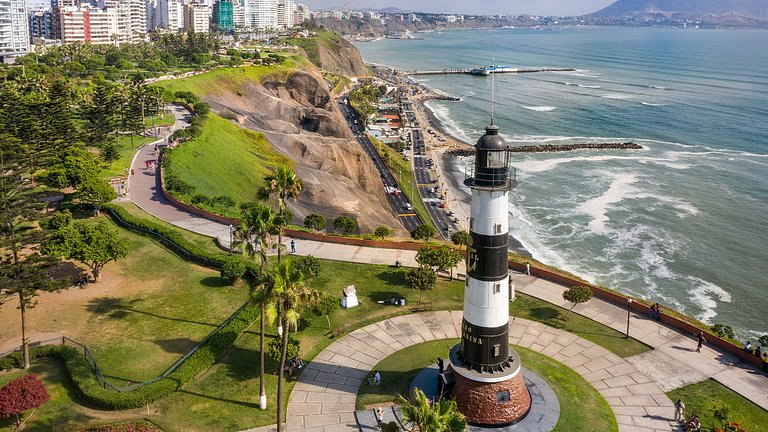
<point x="479" y="71"/>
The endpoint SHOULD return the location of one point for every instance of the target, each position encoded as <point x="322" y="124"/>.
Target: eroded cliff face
<point x="342" y="59"/>
<point x="301" y="119"/>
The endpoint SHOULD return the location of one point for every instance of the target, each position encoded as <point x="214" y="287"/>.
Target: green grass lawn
<point x="226" y="160"/>
<point x="199" y="240"/>
<point x="165" y="307"/>
<point x="117" y="167"/>
<point x="614" y="341"/>
<point x="704" y="397"/>
<point x="232" y="79"/>
<point x="581" y="406"/>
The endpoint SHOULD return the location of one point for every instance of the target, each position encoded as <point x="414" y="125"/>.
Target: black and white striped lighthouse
<point x="489" y="388"/>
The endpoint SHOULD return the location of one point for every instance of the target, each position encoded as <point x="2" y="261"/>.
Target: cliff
<point x="301" y="119"/>
<point x="332" y="53"/>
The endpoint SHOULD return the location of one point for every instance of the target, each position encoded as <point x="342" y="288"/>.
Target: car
<point x="408" y="207"/>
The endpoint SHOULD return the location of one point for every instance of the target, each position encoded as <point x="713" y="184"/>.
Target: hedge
<point x="78" y="367"/>
<point x="88" y="386"/>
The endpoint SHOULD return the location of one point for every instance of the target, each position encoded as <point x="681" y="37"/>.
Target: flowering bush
<point x="732" y="427"/>
<point x="22" y="394"/>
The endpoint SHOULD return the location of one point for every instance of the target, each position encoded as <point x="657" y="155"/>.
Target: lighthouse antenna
<point x="493" y="88"/>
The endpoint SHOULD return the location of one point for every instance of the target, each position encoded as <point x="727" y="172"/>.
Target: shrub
<point x="315" y="222"/>
<point x="223" y="202"/>
<point x="22" y="394"/>
<point x="174" y="184"/>
<point x="723" y="331"/>
<point x="460" y="238"/>
<point x="233" y="269"/>
<point x="275" y="346"/>
<point x="382" y="232"/>
<point x="423" y="232"/>
<point x="200" y="199"/>
<point x="345" y="224"/>
<point x="308" y="265"/>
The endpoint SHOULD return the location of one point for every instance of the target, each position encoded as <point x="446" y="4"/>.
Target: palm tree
<point x="282" y="184"/>
<point x="290" y="294"/>
<point x="441" y="416"/>
<point x="254" y="236"/>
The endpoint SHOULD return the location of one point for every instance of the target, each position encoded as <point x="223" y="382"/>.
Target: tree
<point x="442" y="257"/>
<point x="576" y="294"/>
<point x="22" y="394"/>
<point x="325" y="306"/>
<point x="763" y="341"/>
<point x="232" y="270"/>
<point x="24" y="278"/>
<point x="382" y="232"/>
<point x="254" y="234"/>
<point x="100" y="114"/>
<point x="423" y="232"/>
<point x="93" y="245"/>
<point x="76" y="167"/>
<point x="291" y="294"/>
<point x="282" y="184"/>
<point x="460" y="238"/>
<point x="96" y="192"/>
<point x="315" y="221"/>
<point x="345" y="224"/>
<point x="422" y="278"/>
<point x="308" y="265"/>
<point x="441" y="416"/>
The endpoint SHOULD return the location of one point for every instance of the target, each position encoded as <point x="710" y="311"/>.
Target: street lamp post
<point x="231" y="228"/>
<point x="629" y="311"/>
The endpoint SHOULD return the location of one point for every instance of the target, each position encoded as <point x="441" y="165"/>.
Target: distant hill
<point x="748" y="10"/>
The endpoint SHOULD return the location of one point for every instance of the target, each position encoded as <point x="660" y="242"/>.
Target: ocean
<point x="681" y="222"/>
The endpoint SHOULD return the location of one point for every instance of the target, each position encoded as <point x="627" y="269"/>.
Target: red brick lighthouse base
<point x="496" y="399"/>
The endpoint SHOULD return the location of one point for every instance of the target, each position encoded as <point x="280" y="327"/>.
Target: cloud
<point x="480" y="7"/>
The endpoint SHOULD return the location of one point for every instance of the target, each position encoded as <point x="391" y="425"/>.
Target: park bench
<point x="423" y="307"/>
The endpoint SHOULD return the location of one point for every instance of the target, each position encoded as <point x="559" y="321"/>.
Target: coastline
<point x="449" y="168"/>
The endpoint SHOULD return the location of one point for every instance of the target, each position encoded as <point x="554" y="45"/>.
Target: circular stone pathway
<point x="323" y="399"/>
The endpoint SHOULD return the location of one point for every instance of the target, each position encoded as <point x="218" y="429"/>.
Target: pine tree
<point x="100" y="115"/>
<point x="58" y="119"/>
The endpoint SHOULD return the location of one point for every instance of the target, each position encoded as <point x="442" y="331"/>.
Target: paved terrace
<point x="634" y="386"/>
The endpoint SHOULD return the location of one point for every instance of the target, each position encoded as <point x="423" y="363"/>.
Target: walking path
<point x="634" y="386"/>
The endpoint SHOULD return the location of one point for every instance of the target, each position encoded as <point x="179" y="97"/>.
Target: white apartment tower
<point x="261" y="14"/>
<point x="285" y="10"/>
<point x="169" y="15"/>
<point x="131" y="19"/>
<point x="14" y="27"/>
<point x="301" y="14"/>
<point x="238" y="15"/>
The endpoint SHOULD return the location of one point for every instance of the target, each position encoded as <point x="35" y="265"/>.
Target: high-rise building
<point x="86" y="23"/>
<point x="14" y="28"/>
<point x="301" y="14"/>
<point x="285" y="10"/>
<point x="169" y="15"/>
<point x="131" y="19"/>
<point x="238" y="15"/>
<point x="41" y="24"/>
<point x="223" y="15"/>
<point x="261" y="14"/>
<point x="197" y="18"/>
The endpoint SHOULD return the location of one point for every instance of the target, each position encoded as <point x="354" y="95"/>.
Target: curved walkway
<point x="672" y="363"/>
<point x="323" y="399"/>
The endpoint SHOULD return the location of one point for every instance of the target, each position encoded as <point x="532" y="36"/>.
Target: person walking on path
<point x="132" y="172"/>
<point x="702" y="341"/>
<point x="679" y="411"/>
<point x="528" y="269"/>
<point x="379" y="416"/>
<point x="293" y="246"/>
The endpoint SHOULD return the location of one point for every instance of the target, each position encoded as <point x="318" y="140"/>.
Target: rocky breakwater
<point x="302" y="120"/>
<point x="550" y="148"/>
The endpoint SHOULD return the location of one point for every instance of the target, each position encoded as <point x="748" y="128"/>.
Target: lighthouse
<point x="488" y="385"/>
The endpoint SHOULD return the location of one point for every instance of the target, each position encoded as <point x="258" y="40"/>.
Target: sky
<point x="479" y="7"/>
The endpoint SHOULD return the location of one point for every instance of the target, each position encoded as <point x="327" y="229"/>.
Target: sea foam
<point x="705" y="295"/>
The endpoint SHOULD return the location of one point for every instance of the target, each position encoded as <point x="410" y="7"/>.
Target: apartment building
<point x="14" y="28"/>
<point x="285" y="10"/>
<point x="222" y="17"/>
<point x="261" y="14"/>
<point x="197" y="18"/>
<point x="86" y="23"/>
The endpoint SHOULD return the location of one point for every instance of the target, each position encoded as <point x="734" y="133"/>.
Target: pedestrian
<point x="379" y="416"/>
<point x="132" y="172"/>
<point x="658" y="312"/>
<point x="528" y="268"/>
<point x="146" y="164"/>
<point x="765" y="362"/>
<point x="293" y="246"/>
<point x="440" y="365"/>
<point x="651" y="310"/>
<point x="679" y="411"/>
<point x="702" y="341"/>
<point x="748" y="346"/>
